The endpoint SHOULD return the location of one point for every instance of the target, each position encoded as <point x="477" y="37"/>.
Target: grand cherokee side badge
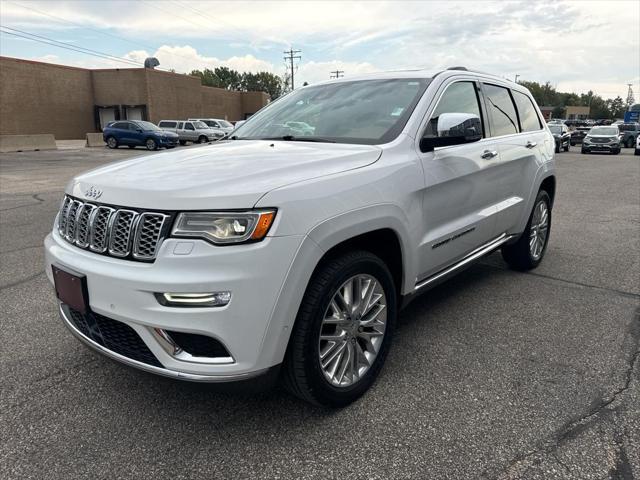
<point x="93" y="192"/>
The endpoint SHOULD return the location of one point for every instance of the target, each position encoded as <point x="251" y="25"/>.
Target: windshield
<point x="604" y="131"/>
<point x="148" y="126"/>
<point x="628" y="127"/>
<point x="199" y="124"/>
<point x="225" y="124"/>
<point x="365" y="111"/>
<point x="555" y="128"/>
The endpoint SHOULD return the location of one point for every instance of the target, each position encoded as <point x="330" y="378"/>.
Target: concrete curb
<point x="27" y="143"/>
<point x="95" y="140"/>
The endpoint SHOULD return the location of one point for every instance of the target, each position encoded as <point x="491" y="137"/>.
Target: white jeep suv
<point x="276" y="254"/>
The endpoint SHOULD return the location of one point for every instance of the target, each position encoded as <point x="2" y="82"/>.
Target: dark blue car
<point x="133" y="133"/>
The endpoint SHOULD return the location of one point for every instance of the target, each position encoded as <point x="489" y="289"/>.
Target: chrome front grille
<point x="121" y="233"/>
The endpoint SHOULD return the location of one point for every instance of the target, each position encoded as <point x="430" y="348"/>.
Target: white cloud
<point x="186" y="58"/>
<point x="577" y="46"/>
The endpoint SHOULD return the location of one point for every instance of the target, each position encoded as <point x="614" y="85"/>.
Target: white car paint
<point x="324" y="194"/>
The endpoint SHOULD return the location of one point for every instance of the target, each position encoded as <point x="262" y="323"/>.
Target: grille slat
<point x="122" y="233"/>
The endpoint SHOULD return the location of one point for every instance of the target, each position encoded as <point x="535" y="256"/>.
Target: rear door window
<point x="502" y="112"/>
<point x="529" y="120"/>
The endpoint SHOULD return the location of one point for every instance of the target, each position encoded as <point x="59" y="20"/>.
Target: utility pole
<point x="291" y="55"/>
<point x="336" y="74"/>
<point x="630" y="98"/>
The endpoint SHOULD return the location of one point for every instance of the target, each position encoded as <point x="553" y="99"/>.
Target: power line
<point x="336" y="74"/>
<point x="61" y="19"/>
<point x="291" y="56"/>
<point x="55" y="43"/>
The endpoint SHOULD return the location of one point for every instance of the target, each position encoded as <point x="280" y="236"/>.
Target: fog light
<point x="213" y="299"/>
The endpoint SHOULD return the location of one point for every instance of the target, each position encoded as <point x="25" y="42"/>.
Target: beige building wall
<point x="120" y="86"/>
<point x="37" y="98"/>
<point x="40" y="97"/>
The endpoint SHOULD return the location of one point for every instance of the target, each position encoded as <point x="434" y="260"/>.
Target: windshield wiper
<point x="292" y="138"/>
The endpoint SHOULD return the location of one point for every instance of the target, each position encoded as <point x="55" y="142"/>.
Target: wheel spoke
<point x="335" y="355"/>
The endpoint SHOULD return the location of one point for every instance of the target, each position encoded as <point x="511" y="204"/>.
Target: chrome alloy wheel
<point x="539" y="230"/>
<point x="352" y="330"/>
<point x="112" y="142"/>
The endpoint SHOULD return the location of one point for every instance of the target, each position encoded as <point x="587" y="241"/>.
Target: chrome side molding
<point x="465" y="261"/>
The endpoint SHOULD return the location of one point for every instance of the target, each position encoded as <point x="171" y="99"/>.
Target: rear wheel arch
<point x="549" y="186"/>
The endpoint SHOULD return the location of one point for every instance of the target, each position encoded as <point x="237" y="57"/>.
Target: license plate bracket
<point x="71" y="289"/>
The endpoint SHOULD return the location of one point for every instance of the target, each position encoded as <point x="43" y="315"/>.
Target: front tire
<point x="529" y="250"/>
<point x="112" y="142"/>
<point x="343" y="330"/>
<point x="557" y="147"/>
<point x="202" y="139"/>
<point x="630" y="142"/>
<point x="151" y="144"/>
<point x="566" y="148"/>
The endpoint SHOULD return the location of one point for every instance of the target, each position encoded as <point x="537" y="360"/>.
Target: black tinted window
<point x="529" y="120"/>
<point x="188" y="126"/>
<point x="458" y="98"/>
<point x="120" y="125"/>
<point x="501" y="110"/>
<point x="167" y="124"/>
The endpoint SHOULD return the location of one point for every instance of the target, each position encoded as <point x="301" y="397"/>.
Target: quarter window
<point x="502" y="112"/>
<point x="458" y="98"/>
<point x="167" y="124"/>
<point x="529" y="120"/>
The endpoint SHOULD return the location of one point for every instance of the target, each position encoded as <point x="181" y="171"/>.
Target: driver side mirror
<point x="451" y="129"/>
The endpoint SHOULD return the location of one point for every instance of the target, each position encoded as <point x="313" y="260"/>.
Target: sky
<point x="575" y="45"/>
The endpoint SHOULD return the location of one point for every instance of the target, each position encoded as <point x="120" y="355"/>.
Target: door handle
<point x="489" y="154"/>
<point x="531" y="144"/>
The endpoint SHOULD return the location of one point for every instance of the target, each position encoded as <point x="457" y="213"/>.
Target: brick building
<point x="69" y="102"/>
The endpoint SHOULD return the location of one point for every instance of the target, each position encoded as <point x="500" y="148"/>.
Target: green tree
<point x="263" y="82"/>
<point x="616" y="107"/>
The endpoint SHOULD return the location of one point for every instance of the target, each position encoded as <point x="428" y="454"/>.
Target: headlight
<point x="225" y="227"/>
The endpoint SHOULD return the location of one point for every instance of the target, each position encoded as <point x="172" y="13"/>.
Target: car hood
<point x="164" y="133"/>
<point x="228" y="174"/>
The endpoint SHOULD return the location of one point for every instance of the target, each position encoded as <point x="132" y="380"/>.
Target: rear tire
<point x="630" y="142"/>
<point x="112" y="142"/>
<point x="525" y="254"/>
<point x="332" y="384"/>
<point x="558" y="147"/>
<point x="566" y="149"/>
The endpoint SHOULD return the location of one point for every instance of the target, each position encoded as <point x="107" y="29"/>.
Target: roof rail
<point x="458" y="68"/>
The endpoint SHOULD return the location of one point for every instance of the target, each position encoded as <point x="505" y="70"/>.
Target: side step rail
<point x="466" y="261"/>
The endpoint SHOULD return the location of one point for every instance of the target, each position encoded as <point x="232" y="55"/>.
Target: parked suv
<point x="602" y="139"/>
<point x="628" y="133"/>
<point x="288" y="255"/>
<point x="133" y="133"/>
<point x="190" y="131"/>
<point x="216" y="124"/>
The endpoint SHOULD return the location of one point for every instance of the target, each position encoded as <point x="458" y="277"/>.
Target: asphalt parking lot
<point x="495" y="374"/>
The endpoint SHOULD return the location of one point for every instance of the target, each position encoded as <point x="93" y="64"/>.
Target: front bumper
<point x="600" y="147"/>
<point x="168" y="142"/>
<point x="123" y="290"/>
